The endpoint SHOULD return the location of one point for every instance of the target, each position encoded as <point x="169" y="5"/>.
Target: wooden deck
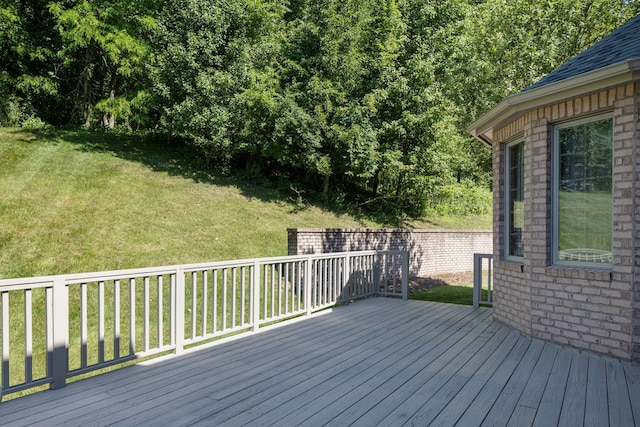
<point x="376" y="362"/>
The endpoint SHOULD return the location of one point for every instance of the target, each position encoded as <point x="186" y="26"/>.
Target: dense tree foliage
<point x="367" y="99"/>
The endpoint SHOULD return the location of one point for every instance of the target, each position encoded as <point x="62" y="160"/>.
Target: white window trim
<point x="555" y="202"/>
<point x="506" y="195"/>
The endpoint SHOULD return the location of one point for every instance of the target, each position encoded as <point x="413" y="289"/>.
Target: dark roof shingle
<point x="621" y="45"/>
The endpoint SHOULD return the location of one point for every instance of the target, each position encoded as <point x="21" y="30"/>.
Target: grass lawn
<point x="453" y="288"/>
<point x="74" y="201"/>
<point x="459" y="294"/>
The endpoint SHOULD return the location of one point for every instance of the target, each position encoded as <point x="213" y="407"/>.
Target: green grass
<point x="73" y="201"/>
<point x="453" y="288"/>
<point x="461" y="294"/>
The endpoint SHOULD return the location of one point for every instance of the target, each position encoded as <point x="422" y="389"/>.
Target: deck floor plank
<point x="377" y="362"/>
<point x="464" y="382"/>
<point x="525" y="411"/>
<point x="575" y="394"/>
<point x="253" y="393"/>
<point x="432" y="375"/>
<point x="300" y="393"/>
<point x="620" y="413"/>
<point x="364" y="392"/>
<point x="597" y="409"/>
<point x="225" y="376"/>
<point x="550" y="407"/>
<point x="633" y="383"/>
<point x="480" y="405"/>
<point x="503" y="407"/>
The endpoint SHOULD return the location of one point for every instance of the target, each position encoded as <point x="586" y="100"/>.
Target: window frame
<point x="555" y="191"/>
<point x="507" y="198"/>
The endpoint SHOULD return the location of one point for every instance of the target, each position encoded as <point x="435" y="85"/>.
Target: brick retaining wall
<point x="431" y="252"/>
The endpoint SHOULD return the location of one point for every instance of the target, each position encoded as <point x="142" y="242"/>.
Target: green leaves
<point x="364" y="98"/>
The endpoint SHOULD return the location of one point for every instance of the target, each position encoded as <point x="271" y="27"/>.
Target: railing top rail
<point x="47" y="281"/>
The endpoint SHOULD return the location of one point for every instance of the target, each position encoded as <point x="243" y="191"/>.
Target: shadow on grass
<point x="183" y="160"/>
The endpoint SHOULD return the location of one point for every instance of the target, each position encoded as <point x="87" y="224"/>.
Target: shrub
<point x="460" y="199"/>
<point x="35" y="124"/>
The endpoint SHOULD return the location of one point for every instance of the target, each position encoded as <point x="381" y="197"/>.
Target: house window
<point x="514" y="198"/>
<point x="583" y="203"/>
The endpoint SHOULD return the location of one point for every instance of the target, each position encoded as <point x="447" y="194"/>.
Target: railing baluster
<point x="279" y="289"/>
<point x="254" y="300"/>
<point x="160" y="313"/>
<point x="147" y="332"/>
<point x="298" y="285"/>
<point x="292" y="287"/>
<point x="132" y="316"/>
<point x="272" y="296"/>
<point x="116" y="319"/>
<point x="205" y="293"/>
<point x="242" y="295"/>
<point x="224" y="299"/>
<point x="194" y="279"/>
<point x="5" y="340"/>
<point x="234" y="302"/>
<point x="285" y="289"/>
<point x="265" y="290"/>
<point x="28" y="336"/>
<point x="100" y="322"/>
<point x="174" y="311"/>
<point x="177" y="326"/>
<point x="307" y="284"/>
<point x="84" y="334"/>
<point x="214" y="303"/>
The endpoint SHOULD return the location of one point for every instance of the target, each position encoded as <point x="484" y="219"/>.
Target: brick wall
<point x="592" y="309"/>
<point x="635" y="296"/>
<point x="431" y="252"/>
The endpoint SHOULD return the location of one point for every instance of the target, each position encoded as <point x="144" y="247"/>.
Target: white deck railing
<point x="482" y="279"/>
<point x="57" y="327"/>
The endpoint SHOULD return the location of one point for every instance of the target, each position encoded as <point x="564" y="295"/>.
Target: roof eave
<point x="510" y="107"/>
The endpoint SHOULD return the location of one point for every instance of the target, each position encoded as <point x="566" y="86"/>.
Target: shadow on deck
<point x="377" y="362"/>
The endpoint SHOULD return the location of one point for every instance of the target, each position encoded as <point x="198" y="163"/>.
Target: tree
<point x="102" y="55"/>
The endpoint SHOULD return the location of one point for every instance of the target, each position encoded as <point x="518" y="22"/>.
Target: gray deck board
<point x="597" y="409"/>
<point x="620" y="413"/>
<point x="633" y="383"/>
<point x="525" y="411"/>
<point x="575" y="395"/>
<point x="550" y="407"/>
<point x="503" y="407"/>
<point x="377" y="362"/>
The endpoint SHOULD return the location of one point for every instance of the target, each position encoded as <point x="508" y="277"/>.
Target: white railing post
<point x="178" y="311"/>
<point x="59" y="359"/>
<point x="376" y="273"/>
<point x="477" y="279"/>
<point x="405" y="275"/>
<point x="255" y="297"/>
<point x="346" y="272"/>
<point x="308" y="279"/>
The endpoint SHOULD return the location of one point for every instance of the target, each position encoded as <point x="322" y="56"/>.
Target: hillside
<point x="77" y="201"/>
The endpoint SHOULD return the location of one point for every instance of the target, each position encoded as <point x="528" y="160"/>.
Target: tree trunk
<point x="109" y="119"/>
<point x="86" y="108"/>
<point x="376" y="181"/>
<point x="325" y="184"/>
